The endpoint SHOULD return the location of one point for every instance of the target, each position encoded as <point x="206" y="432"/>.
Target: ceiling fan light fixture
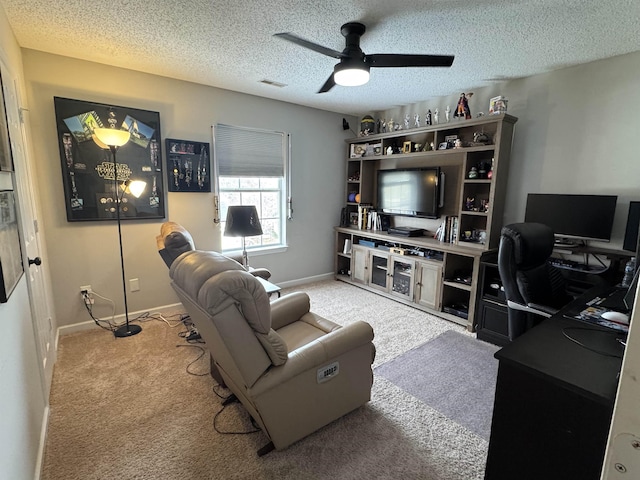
<point x="350" y="76"/>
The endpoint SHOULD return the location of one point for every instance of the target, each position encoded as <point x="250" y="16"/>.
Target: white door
<point x="30" y="239"/>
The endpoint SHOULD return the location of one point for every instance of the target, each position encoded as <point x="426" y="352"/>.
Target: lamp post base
<point x="127" y="330"/>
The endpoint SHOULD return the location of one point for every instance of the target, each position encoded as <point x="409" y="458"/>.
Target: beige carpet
<point x="127" y="409"/>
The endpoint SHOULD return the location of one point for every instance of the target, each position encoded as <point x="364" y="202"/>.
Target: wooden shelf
<point x="429" y="290"/>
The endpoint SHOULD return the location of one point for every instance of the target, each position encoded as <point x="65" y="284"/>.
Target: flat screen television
<point x="411" y="192"/>
<point x="580" y="217"/>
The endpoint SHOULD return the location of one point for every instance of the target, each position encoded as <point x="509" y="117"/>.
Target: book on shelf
<point x="448" y="230"/>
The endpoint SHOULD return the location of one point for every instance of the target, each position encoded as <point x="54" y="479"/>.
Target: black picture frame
<point x="88" y="172"/>
<point x="188" y="165"/>
<point x="6" y="158"/>
<point x="11" y="268"/>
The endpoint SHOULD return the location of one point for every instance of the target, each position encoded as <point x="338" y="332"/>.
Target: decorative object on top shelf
<point x="447" y="113"/>
<point x="188" y="166"/>
<point x="406" y="122"/>
<point x="463" y="109"/>
<point x="416" y="120"/>
<point x="435" y="116"/>
<point x="428" y="118"/>
<point x="367" y="126"/>
<point x="383" y="126"/>
<point x="497" y="105"/>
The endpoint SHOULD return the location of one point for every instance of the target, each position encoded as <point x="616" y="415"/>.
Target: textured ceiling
<point x="229" y="43"/>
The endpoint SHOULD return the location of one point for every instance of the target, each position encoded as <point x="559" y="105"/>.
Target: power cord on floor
<point x="202" y="353"/>
<point x="256" y="428"/>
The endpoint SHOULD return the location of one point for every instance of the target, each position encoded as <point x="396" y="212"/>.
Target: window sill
<point x="257" y="251"/>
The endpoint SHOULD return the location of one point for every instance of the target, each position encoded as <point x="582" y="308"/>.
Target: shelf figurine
<point x="447" y="113"/>
<point x="427" y="118"/>
<point x="462" y="110"/>
<point x="406" y="122"/>
<point x="435" y="116"/>
<point x="416" y="120"/>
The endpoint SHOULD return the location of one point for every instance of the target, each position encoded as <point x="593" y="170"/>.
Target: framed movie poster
<point x="6" y="163"/>
<point x="10" y="257"/>
<point x="92" y="183"/>
<point x="188" y="167"/>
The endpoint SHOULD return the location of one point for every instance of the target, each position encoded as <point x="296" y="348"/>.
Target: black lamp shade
<point x="242" y="221"/>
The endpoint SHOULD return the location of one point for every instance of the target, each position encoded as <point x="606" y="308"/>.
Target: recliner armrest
<point x="288" y="309"/>
<point x="260" y="272"/>
<point x="543" y="308"/>
<point x="316" y="354"/>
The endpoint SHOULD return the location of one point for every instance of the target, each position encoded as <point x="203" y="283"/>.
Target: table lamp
<point x="243" y="221"/>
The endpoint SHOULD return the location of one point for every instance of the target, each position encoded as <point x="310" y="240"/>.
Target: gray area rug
<point x="454" y="374"/>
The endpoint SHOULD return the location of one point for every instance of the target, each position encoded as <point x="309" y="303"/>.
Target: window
<point x="252" y="169"/>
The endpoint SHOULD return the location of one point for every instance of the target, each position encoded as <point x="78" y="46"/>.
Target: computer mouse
<point x="618" y="317"/>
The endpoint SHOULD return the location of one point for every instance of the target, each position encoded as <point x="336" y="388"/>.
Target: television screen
<point x="410" y="192"/>
<point x="633" y="223"/>
<point x="582" y="217"/>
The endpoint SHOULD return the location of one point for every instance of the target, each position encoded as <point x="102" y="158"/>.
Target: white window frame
<point x="232" y="153"/>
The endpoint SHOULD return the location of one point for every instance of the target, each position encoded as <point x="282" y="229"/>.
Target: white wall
<point x="86" y="253"/>
<point x="22" y="404"/>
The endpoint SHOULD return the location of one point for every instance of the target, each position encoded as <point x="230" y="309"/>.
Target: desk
<point x="553" y="404"/>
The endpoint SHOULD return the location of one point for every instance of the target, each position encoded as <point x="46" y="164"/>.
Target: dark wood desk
<point x="553" y="404"/>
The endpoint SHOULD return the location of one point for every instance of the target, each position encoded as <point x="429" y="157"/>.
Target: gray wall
<point x="576" y="133"/>
<point x="86" y="253"/>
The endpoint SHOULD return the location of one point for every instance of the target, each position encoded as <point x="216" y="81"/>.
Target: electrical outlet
<point x="134" y="284"/>
<point x="86" y="289"/>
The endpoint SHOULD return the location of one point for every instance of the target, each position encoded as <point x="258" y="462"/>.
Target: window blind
<point x="247" y="152"/>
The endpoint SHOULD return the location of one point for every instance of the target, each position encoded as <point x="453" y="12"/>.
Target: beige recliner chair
<point x="292" y="370"/>
<point x="174" y="240"/>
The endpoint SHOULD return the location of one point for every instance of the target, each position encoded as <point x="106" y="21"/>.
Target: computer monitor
<point x="581" y="217"/>
<point x="633" y="224"/>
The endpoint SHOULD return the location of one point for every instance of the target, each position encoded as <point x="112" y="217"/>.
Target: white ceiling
<point x="230" y="44"/>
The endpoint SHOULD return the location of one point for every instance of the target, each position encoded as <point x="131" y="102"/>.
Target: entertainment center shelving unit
<point x="437" y="276"/>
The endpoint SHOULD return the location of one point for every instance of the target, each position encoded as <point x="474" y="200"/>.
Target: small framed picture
<point x="406" y="147"/>
<point x="443" y="146"/>
<point x="357" y="151"/>
<point x="353" y="219"/>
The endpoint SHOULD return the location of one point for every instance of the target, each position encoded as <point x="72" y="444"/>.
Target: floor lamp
<point x="112" y="138"/>
<point x="242" y="221"/>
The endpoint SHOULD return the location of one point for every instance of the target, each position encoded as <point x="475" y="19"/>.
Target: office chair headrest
<point x="532" y="243"/>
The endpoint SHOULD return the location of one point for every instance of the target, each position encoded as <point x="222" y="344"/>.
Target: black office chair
<point x="534" y="288"/>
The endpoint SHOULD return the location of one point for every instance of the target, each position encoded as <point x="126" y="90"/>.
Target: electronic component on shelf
<point x="398" y="250"/>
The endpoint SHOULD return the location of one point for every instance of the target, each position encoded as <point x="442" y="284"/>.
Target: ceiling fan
<point x="353" y="69"/>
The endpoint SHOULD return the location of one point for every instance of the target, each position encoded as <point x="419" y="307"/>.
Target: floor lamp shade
<point x="243" y="221"/>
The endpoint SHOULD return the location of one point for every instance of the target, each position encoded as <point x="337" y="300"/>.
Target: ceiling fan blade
<point x="310" y="45"/>
<point x="328" y="85"/>
<point x="393" y="60"/>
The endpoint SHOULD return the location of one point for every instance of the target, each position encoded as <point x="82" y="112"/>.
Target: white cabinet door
<point x="428" y="283"/>
<point x="359" y="264"/>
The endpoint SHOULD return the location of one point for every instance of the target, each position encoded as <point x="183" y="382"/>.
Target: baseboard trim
<point x="119" y="319"/>
<point x="302" y="281"/>
<point x="89" y="324"/>
<point x="43" y="441"/>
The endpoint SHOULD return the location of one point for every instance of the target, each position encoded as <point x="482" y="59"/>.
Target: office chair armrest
<point x="534" y="308"/>
<point x="548" y="311"/>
